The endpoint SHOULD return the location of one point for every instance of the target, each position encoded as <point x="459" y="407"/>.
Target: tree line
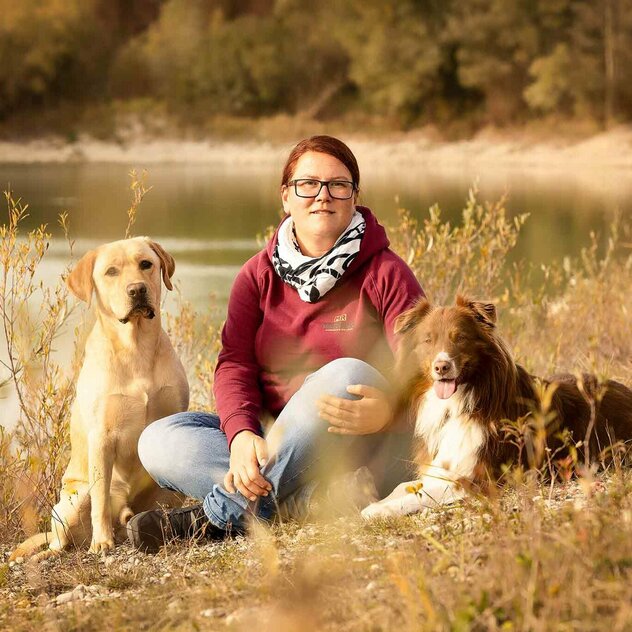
<point x="410" y="61"/>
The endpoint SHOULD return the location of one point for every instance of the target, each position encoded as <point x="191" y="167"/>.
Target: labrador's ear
<point x="167" y="263"/>
<point x="80" y="281"/>
<point x="408" y="319"/>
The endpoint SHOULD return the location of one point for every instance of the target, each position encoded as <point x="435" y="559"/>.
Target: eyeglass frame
<point x="323" y="183"/>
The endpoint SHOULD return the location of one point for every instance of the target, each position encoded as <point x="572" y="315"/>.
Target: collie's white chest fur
<point x="453" y="440"/>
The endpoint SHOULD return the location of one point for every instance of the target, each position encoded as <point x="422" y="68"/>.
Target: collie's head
<point x="446" y="347"/>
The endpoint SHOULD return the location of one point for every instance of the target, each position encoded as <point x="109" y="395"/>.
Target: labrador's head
<point x="126" y="277"/>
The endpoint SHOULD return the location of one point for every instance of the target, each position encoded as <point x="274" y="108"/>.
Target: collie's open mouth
<point x="444" y="389"/>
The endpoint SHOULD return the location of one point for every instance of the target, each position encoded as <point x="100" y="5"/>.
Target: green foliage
<point x="48" y="49"/>
<point x="552" y="85"/>
<point x="409" y="62"/>
<point x="395" y="54"/>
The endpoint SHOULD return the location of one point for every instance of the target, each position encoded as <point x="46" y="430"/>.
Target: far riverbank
<point x="607" y="150"/>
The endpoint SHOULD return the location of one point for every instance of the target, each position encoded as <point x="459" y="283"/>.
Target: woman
<point x="308" y="334"/>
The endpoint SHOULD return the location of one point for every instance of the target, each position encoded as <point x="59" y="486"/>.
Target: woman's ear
<point x="285" y="194"/>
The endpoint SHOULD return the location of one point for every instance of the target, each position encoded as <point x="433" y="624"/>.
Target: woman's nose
<point x="324" y="194"/>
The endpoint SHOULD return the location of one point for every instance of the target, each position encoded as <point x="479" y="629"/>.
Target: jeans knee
<point x="340" y="373"/>
<point x="153" y="444"/>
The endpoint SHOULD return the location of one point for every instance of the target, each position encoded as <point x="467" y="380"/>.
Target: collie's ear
<point x="80" y="281"/>
<point x="483" y="312"/>
<point x="167" y="263"/>
<point x="408" y="319"/>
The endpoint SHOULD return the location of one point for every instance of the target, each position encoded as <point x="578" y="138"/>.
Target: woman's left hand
<point x="367" y="415"/>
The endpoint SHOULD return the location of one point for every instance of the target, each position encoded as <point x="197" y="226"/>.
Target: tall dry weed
<point x="469" y="257"/>
<point x="196" y="339"/>
<point x="32" y="316"/>
<point x="571" y="315"/>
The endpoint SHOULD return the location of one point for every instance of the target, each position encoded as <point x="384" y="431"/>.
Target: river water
<point x="208" y="216"/>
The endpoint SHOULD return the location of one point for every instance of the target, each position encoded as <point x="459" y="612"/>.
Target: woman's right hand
<point x="248" y="453"/>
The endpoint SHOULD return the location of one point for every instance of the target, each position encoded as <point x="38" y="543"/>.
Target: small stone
<point x="19" y="560"/>
<point x="371" y="586"/>
<point x="232" y="618"/>
<point x="66" y="597"/>
<point x="210" y="612"/>
<point x="109" y="560"/>
<point x="41" y="600"/>
<point x="374" y="568"/>
<point x="76" y="594"/>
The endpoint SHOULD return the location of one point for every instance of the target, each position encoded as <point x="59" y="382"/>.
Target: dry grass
<point x="541" y="555"/>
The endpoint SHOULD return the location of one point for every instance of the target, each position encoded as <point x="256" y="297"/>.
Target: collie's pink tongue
<point x="445" y="388"/>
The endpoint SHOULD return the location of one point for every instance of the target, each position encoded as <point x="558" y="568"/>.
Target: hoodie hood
<point x="373" y="240"/>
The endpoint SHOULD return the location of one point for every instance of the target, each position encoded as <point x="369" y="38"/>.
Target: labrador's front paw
<point x="102" y="543"/>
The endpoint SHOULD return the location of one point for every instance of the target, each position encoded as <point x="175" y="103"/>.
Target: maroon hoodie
<point x="272" y="340"/>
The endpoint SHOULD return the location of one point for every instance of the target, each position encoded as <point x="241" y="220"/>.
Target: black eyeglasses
<point x="308" y="188"/>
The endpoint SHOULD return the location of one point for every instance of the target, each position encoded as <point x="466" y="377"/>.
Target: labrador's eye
<point x="112" y="271"/>
<point x="145" y="264"/>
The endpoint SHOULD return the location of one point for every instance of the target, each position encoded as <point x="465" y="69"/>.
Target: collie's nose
<point x="136" y="290"/>
<point x="441" y="367"/>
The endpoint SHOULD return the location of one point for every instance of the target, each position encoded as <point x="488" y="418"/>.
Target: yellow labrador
<point x="130" y="377"/>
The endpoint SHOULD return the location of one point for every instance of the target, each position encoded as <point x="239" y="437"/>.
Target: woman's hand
<point x="248" y="453"/>
<point x="367" y="415"/>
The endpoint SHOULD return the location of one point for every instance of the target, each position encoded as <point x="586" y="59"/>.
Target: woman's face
<point x="321" y="220"/>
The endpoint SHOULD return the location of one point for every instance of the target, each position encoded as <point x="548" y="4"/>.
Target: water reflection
<point x="208" y="216"/>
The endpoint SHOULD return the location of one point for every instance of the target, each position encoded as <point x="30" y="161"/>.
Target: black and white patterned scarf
<point x="314" y="277"/>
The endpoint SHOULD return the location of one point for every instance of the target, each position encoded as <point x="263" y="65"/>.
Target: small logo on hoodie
<point x="339" y="323"/>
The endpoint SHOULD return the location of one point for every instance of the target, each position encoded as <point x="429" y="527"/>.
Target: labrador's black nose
<point x="136" y="290"/>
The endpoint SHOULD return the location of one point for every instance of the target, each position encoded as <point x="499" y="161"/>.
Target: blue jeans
<point x="188" y="452"/>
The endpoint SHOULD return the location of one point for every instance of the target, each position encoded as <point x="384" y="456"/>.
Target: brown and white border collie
<point x="463" y="390"/>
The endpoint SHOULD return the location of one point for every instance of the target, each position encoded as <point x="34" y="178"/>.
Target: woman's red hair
<point x="324" y="145"/>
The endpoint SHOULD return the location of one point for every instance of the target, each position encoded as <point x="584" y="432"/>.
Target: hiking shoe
<point x="149" y="530"/>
